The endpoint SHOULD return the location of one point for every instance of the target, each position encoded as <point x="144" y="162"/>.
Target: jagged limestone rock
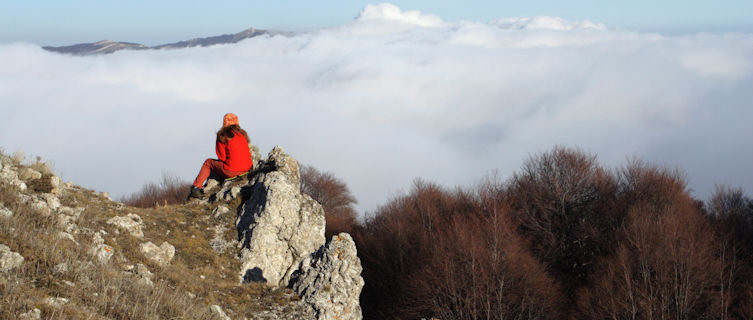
<point x="142" y="273"/>
<point x="55" y="302"/>
<point x="5" y="212"/>
<point x="131" y="223"/>
<point x="330" y="280"/>
<point x="220" y="210"/>
<point x="67" y="218"/>
<point x="34" y="314"/>
<point x="100" y="250"/>
<point x="51" y="200"/>
<point x="218" y="313"/>
<point x="10" y="176"/>
<point x="29" y="174"/>
<point x="9" y="260"/>
<point x="279" y="225"/>
<point x="56" y="185"/>
<point x="161" y="255"/>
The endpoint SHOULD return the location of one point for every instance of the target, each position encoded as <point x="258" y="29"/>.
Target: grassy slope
<point x="197" y="277"/>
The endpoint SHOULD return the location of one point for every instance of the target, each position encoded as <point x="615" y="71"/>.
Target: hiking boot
<point x="195" y="193"/>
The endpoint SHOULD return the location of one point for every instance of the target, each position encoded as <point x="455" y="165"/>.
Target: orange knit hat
<point x="229" y="119"/>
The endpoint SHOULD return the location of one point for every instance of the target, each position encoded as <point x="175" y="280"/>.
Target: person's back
<point x="238" y="154"/>
<point x="233" y="153"/>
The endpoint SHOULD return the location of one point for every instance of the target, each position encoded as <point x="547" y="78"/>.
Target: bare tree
<point x="334" y="196"/>
<point x="565" y="204"/>
<point x="665" y="266"/>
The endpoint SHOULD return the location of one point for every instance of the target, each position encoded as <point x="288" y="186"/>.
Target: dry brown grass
<point x="196" y="278"/>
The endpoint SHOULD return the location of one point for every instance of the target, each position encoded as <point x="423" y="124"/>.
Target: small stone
<point x="35" y="314"/>
<point x="161" y="255"/>
<point x="103" y="252"/>
<point x="56" y="302"/>
<point x="145" y="282"/>
<point x="29" y="174"/>
<point x="52" y="201"/>
<point x="211" y="184"/>
<point x="143" y="270"/>
<point x="131" y="223"/>
<point x="220" y="210"/>
<point x="9" y="260"/>
<point x="56" y="183"/>
<point x="72" y="212"/>
<point x="67" y="223"/>
<point x="5" y="212"/>
<point x="218" y="313"/>
<point x="60" y="268"/>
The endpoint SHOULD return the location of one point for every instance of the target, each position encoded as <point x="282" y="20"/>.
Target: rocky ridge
<point x="281" y="234"/>
<point x="109" y="46"/>
<point x="274" y="240"/>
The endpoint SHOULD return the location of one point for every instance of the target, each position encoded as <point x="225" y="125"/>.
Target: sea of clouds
<point x="393" y="96"/>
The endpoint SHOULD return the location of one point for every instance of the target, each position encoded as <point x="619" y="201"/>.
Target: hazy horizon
<point x="391" y="96"/>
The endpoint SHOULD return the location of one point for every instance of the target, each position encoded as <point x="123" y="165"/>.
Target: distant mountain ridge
<point x="108" y="46"/>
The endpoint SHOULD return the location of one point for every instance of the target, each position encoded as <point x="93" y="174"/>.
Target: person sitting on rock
<point x="233" y="153"/>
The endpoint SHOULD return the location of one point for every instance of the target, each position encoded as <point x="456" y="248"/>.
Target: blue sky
<point x="48" y="22"/>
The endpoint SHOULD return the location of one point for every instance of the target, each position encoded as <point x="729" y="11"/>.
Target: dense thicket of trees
<point x="562" y="238"/>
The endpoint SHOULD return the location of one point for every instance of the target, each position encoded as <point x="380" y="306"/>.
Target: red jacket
<point x="235" y="154"/>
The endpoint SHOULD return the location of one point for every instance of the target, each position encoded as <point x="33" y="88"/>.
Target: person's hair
<point x="228" y="132"/>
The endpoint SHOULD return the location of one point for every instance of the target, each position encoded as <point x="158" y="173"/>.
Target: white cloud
<point x="390" y="97"/>
<point x="390" y="13"/>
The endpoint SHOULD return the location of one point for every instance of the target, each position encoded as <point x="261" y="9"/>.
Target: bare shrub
<point x="334" y="196"/>
<point x="170" y="190"/>
<point x="450" y="255"/>
<point x="565" y="206"/>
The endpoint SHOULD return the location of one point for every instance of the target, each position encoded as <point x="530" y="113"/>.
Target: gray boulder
<point x="9" y="260"/>
<point x="330" y="280"/>
<point x="34" y="314"/>
<point x="161" y="255"/>
<point x="29" y="174"/>
<point x="10" y="176"/>
<point x="218" y="313"/>
<point x="5" y="212"/>
<point x="131" y="223"/>
<point x="279" y="225"/>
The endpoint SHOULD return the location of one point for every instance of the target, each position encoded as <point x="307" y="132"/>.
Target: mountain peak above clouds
<point x="108" y="46"/>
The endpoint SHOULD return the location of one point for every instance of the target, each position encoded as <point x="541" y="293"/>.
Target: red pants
<point x="216" y="166"/>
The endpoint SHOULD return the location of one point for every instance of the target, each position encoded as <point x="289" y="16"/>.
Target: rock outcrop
<point x="9" y="260"/>
<point x="280" y="243"/>
<point x="161" y="255"/>
<point x="330" y="280"/>
<point x="281" y="231"/>
<point x="131" y="223"/>
<point x="279" y="225"/>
